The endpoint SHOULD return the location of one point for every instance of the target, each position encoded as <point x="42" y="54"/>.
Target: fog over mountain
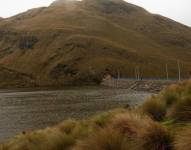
<point x="174" y="9"/>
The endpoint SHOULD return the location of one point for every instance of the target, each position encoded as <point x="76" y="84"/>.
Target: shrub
<point x="156" y="137"/>
<point x="155" y="108"/>
<point x="183" y="139"/>
<point x="181" y="110"/>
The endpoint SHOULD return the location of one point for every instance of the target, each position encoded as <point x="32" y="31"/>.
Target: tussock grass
<point x="155" y="108"/>
<point x="129" y="131"/>
<point x="105" y="139"/>
<point x="130" y="123"/>
<point x="183" y="139"/>
<point x="181" y="110"/>
<point x="170" y="96"/>
<point x="173" y="103"/>
<point x="104" y="119"/>
<point x="68" y="126"/>
<point x="156" y="137"/>
<point x="48" y="139"/>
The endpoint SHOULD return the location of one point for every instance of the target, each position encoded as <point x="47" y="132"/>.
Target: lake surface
<point x="27" y="110"/>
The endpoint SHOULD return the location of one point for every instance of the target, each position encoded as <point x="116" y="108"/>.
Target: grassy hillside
<point x="163" y="122"/>
<point x="11" y="78"/>
<point x="72" y="42"/>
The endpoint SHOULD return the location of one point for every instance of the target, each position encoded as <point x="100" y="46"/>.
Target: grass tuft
<point x="107" y="139"/>
<point x="155" y="108"/>
<point x="130" y="123"/>
<point x="181" y="110"/>
<point x="156" y="137"/>
<point x="183" y="139"/>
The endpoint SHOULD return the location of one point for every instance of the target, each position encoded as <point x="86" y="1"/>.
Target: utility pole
<point x="118" y="74"/>
<point x="167" y="75"/>
<point x="138" y="73"/>
<point x="117" y="79"/>
<point x="136" y="77"/>
<point x="179" y="72"/>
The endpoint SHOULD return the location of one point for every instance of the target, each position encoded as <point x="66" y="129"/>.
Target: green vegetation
<point x="161" y="123"/>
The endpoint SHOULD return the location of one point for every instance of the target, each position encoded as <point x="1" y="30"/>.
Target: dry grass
<point x="49" y="139"/>
<point x="170" y="95"/>
<point x="156" y="137"/>
<point x="183" y="139"/>
<point x="105" y="139"/>
<point x="130" y="123"/>
<point x="68" y="126"/>
<point x="155" y="108"/>
<point x="129" y="131"/>
<point x="104" y="119"/>
<point x="173" y="103"/>
<point x="181" y="110"/>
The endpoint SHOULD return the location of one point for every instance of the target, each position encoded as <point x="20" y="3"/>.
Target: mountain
<point x="73" y="42"/>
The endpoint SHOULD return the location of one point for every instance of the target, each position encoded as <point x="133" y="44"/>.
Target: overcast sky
<point x="179" y="10"/>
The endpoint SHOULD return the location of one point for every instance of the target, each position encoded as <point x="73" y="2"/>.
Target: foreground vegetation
<point x="163" y="122"/>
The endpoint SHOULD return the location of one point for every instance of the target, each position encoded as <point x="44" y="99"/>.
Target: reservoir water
<point x="27" y="110"/>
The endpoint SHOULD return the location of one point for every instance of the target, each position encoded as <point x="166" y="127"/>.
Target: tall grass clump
<point x="129" y="131"/>
<point x="183" y="139"/>
<point x="121" y="134"/>
<point x="49" y="139"/>
<point x="181" y="110"/>
<point x="130" y="123"/>
<point x="155" y="108"/>
<point x="105" y="139"/>
<point x="174" y="103"/>
<point x="104" y="119"/>
<point x="170" y="96"/>
<point x="68" y="126"/>
<point x="156" y="137"/>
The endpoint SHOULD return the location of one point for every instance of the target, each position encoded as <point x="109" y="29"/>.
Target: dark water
<point x="30" y="110"/>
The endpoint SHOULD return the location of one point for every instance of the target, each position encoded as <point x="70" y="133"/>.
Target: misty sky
<point x="179" y="10"/>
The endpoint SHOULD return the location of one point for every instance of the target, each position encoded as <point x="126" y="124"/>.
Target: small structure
<point x="107" y="77"/>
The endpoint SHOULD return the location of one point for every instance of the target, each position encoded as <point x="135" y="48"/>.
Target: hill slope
<point x="73" y="41"/>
